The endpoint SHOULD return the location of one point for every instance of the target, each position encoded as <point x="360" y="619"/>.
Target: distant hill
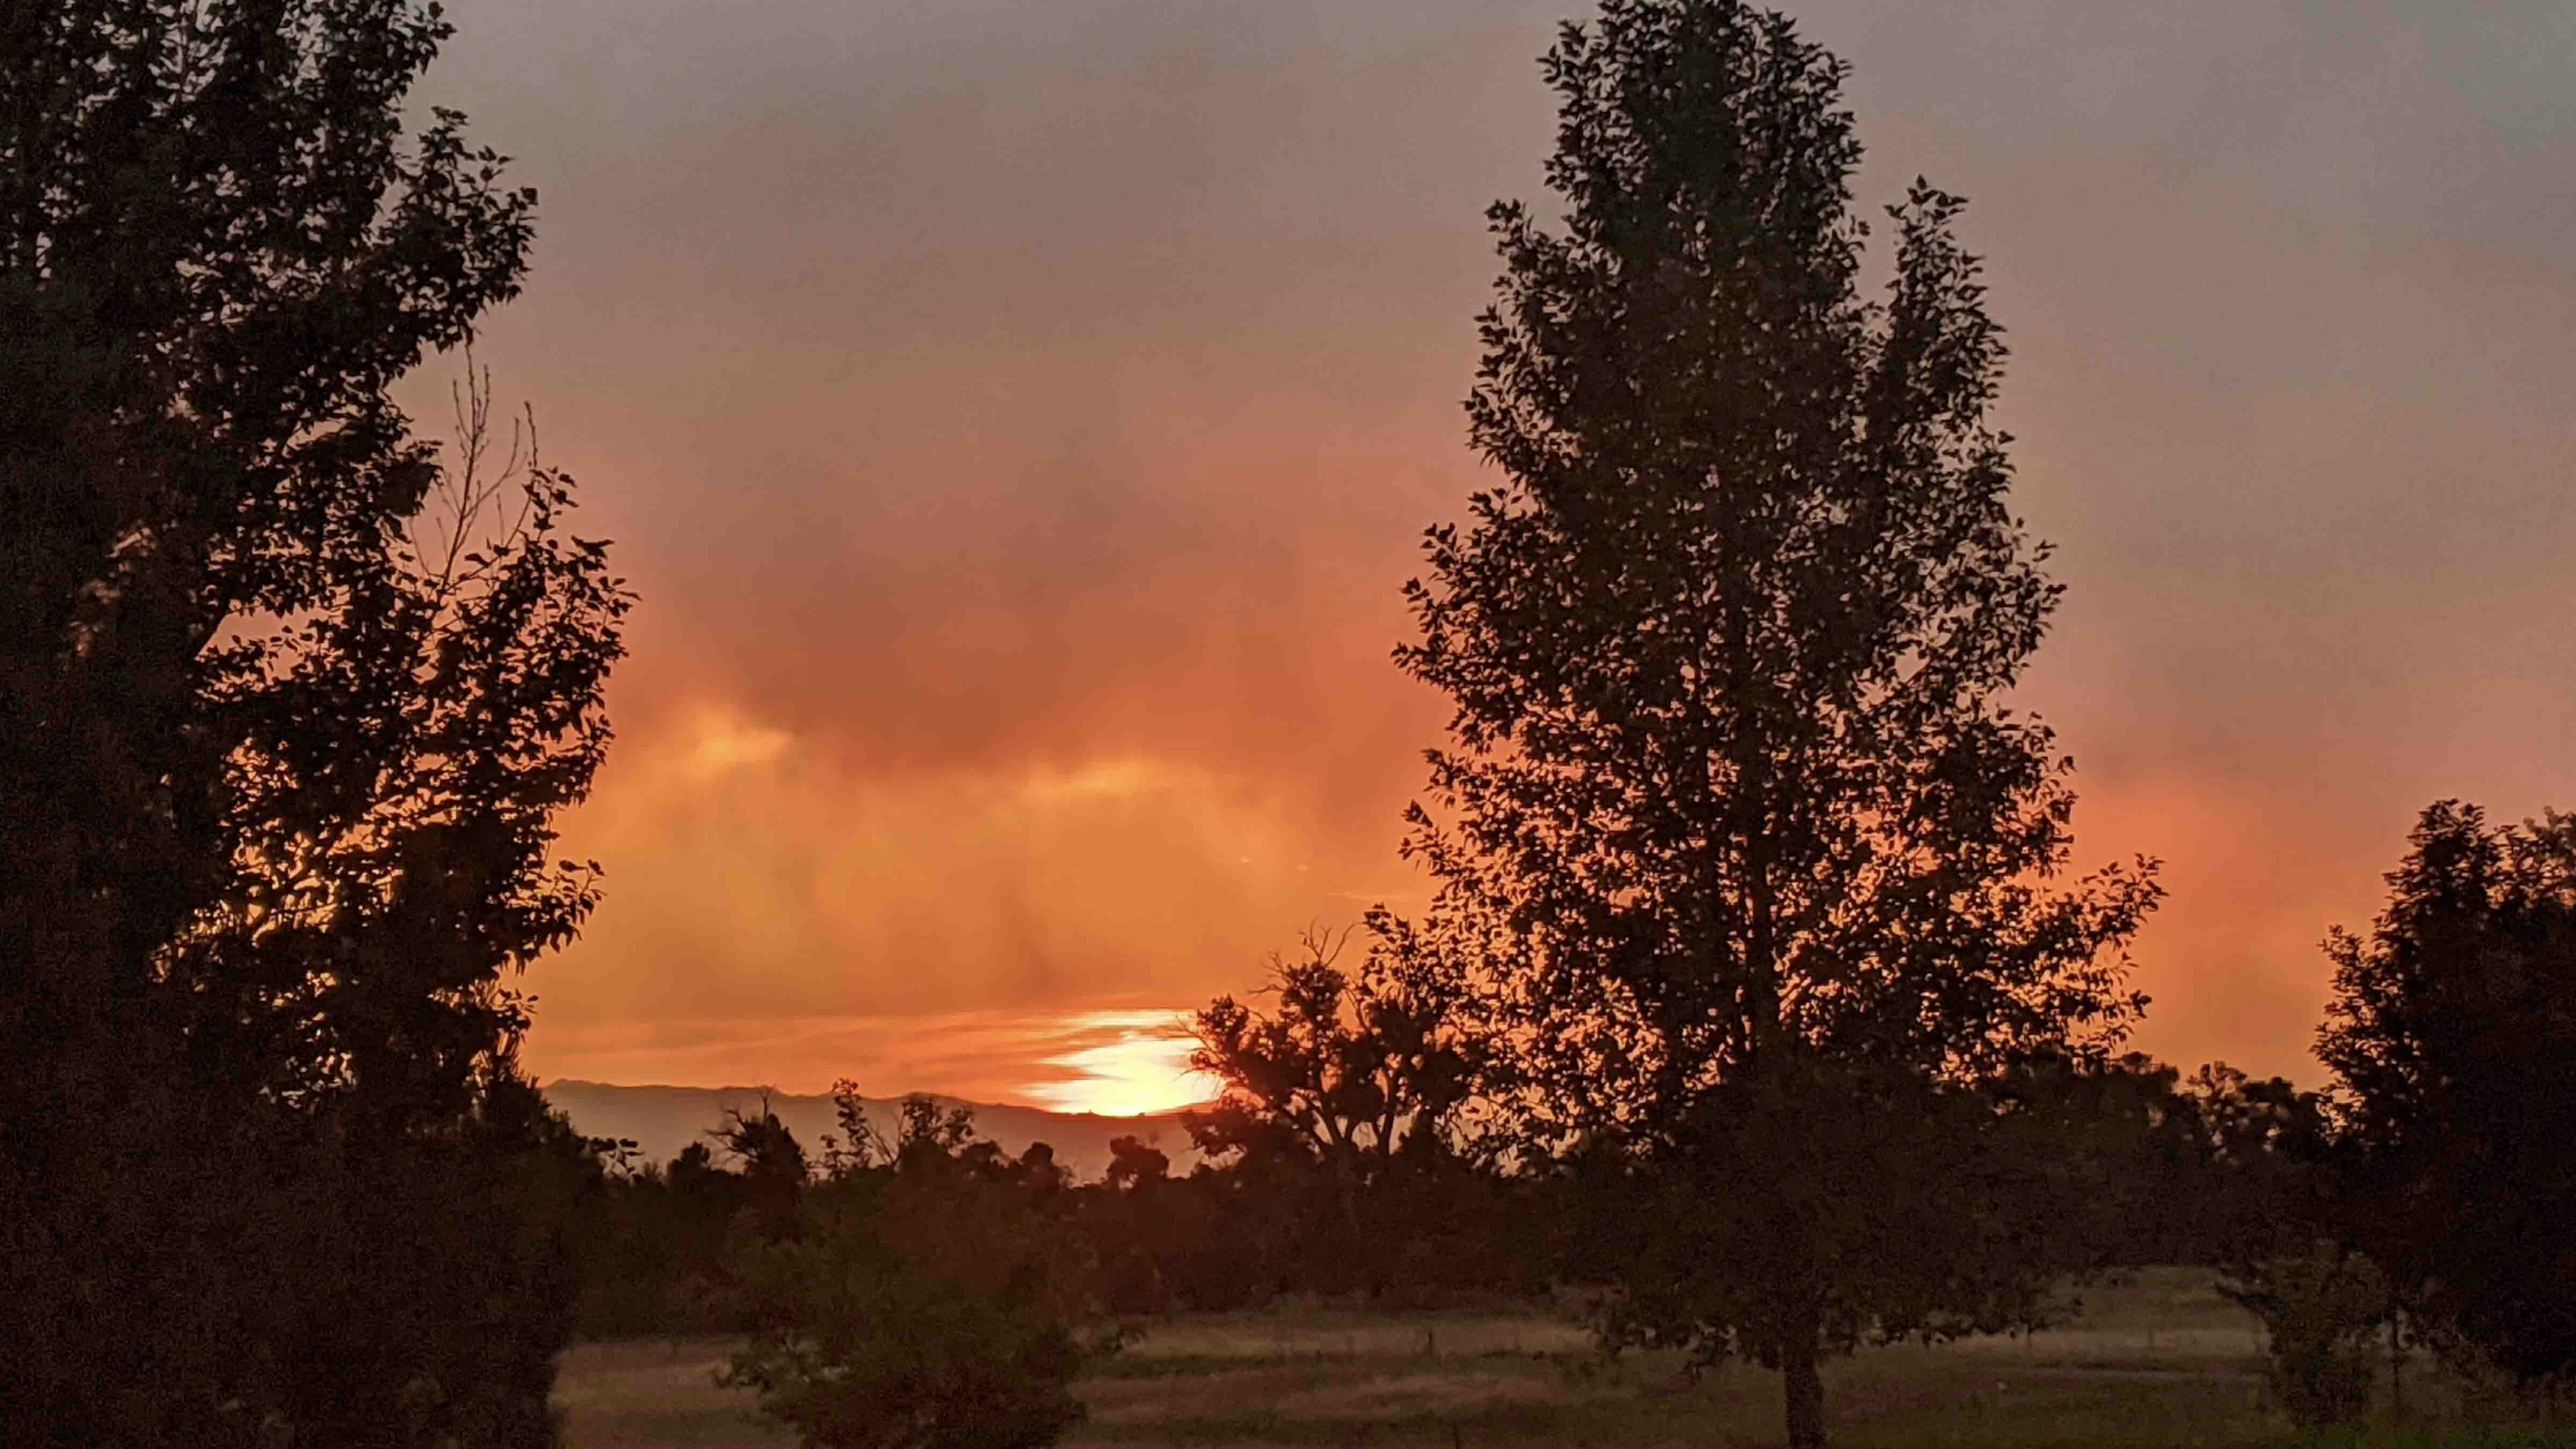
<point x="663" y="1120"/>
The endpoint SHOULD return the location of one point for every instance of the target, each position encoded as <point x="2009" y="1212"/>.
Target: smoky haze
<point x="1018" y="419"/>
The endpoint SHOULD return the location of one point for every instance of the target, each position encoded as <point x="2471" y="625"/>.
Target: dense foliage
<point x="2452" y="1036"/>
<point x="288" y="705"/>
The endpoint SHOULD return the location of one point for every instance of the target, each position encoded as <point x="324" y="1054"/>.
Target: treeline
<point x="748" y="1231"/>
<point x="661" y="1252"/>
<point x="2165" y="1171"/>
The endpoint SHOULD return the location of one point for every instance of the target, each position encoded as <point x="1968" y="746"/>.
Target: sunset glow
<point x="1019" y="423"/>
<point x="1144" y="1068"/>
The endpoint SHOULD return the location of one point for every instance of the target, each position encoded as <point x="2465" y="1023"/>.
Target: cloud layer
<point x="1018" y="418"/>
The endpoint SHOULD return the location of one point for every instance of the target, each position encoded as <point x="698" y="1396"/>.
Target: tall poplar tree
<point x="1728" y="648"/>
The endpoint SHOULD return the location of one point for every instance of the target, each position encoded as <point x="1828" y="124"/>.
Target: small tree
<point x="2321" y="1310"/>
<point x="1356" y="1067"/>
<point x="1136" y="1165"/>
<point x="1347" y="1101"/>
<point x="933" y="1297"/>
<point x="773" y="1167"/>
<point x="1727" y="648"/>
<point x="2452" y="1037"/>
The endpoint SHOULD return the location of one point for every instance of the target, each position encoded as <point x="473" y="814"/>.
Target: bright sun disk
<point x="1144" y="1068"/>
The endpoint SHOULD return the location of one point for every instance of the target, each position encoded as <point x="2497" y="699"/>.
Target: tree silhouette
<point x="288" y="705"/>
<point x="772" y="1163"/>
<point x="1354" y="1067"/>
<point x="1135" y="1163"/>
<point x="1347" y="1103"/>
<point x="2452" y="1035"/>
<point x="1726" y="650"/>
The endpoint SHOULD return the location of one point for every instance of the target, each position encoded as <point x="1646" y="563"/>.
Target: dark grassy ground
<point x="2159" y="1360"/>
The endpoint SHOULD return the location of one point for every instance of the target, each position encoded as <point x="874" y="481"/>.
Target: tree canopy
<point x="1729" y="648"/>
<point x="1352" y="1066"/>
<point x="2452" y="1037"/>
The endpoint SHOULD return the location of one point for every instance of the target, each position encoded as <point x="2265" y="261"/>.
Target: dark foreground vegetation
<point x="289" y="701"/>
<point x="1761" y="1026"/>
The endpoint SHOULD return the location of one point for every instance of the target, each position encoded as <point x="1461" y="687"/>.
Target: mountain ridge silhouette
<point x="662" y="1120"/>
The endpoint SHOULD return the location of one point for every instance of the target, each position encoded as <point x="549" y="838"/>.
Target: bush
<point x="936" y="1300"/>
<point x="2319" y="1312"/>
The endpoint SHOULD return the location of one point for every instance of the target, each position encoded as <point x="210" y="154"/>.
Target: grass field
<point x="2159" y="1360"/>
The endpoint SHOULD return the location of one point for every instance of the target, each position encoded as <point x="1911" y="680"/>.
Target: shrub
<point x="933" y="1297"/>
<point x="2319" y="1311"/>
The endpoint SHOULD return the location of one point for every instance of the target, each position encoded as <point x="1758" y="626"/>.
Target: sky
<point x="1019" y="416"/>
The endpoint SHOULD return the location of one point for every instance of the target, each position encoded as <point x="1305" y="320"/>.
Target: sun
<point x="1143" y="1066"/>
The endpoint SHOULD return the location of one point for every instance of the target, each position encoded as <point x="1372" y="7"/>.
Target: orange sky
<point x="1018" y="416"/>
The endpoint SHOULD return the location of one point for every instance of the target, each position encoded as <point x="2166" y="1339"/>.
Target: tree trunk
<point x="1802" y="1391"/>
<point x="2396" y="1367"/>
